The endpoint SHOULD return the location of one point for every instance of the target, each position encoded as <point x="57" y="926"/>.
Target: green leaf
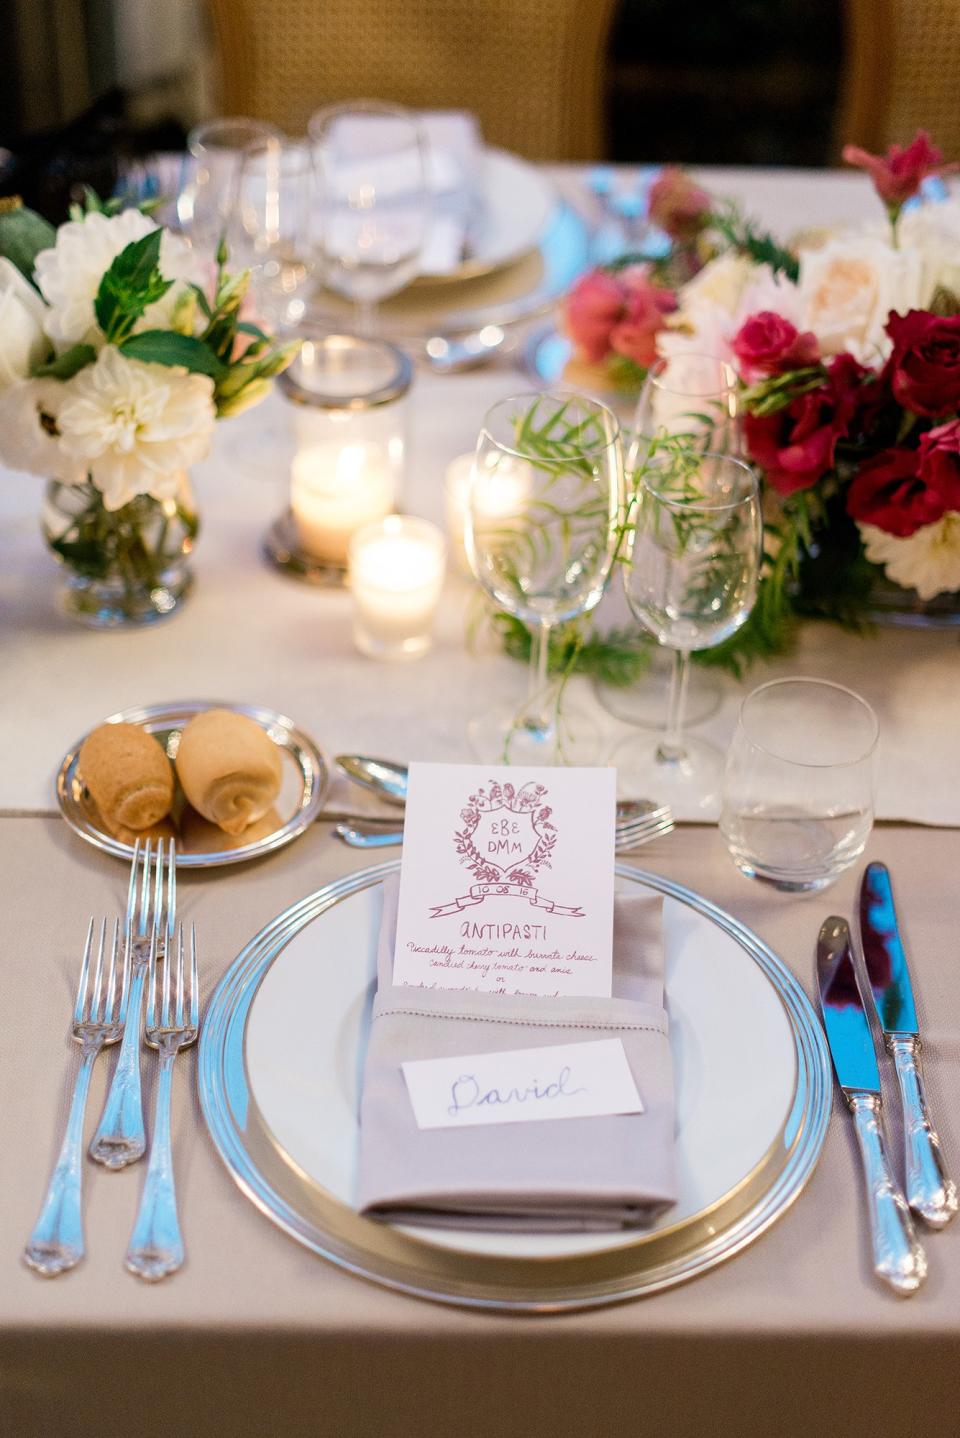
<point x="742" y="235"/>
<point x="65" y="366"/>
<point x="23" y="234"/>
<point x="131" y="283"/>
<point x="169" y="348"/>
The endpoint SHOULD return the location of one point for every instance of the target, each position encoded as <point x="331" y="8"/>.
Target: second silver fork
<point x="120" y="1138"/>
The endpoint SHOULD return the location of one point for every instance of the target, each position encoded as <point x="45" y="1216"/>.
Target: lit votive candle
<point x="503" y="490"/>
<point x="396" y="575"/>
<point x="334" y="491"/>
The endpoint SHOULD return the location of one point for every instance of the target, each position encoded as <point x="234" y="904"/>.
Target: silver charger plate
<point x="306" y="781"/>
<point x="280" y="1069"/>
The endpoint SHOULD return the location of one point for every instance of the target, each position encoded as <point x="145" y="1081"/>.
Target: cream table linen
<point x="257" y="1338"/>
<point x="250" y="634"/>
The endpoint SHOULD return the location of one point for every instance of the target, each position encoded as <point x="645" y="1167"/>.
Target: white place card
<point x="561" y="1081"/>
<point x="506" y="881"/>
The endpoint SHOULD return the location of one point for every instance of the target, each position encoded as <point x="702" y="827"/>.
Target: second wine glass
<point x="690" y="574"/>
<point x="541" y="530"/>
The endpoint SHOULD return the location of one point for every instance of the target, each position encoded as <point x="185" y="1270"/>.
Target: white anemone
<point x="29" y="431"/>
<point x="136" y="426"/>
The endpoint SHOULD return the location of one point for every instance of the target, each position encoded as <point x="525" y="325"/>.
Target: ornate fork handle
<point x="930" y="1192"/>
<point x="120" y="1138"/>
<point x="156" y="1245"/>
<point x="57" y="1242"/>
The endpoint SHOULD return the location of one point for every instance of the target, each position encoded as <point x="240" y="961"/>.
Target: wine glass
<point x="695" y="395"/>
<point x="372" y="164"/>
<point x="690" y="574"/>
<point x="209" y="175"/>
<point x="274" y="226"/>
<point x="542" y="521"/>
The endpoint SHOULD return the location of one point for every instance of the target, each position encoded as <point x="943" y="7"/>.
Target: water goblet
<point x="798" y="787"/>
<point x="690" y="575"/>
<point x="274" y="227"/>
<point x="207" y="195"/>
<point x="541" y="527"/>
<point x="371" y="162"/>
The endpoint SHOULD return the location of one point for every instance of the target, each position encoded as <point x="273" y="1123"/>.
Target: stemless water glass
<point x="371" y="161"/>
<point x="690" y="574"/>
<point x="798" y="787"/>
<point x="694" y="397"/>
<point x="208" y="179"/>
<point x="274" y="227"/>
<point x="540" y="534"/>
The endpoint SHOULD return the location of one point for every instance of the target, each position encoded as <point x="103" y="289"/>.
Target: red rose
<point x="940" y="462"/>
<point x="677" y="205"/>
<point x="768" y="344"/>
<point x="924" y="367"/>
<point x="797" y="446"/>
<point x="888" y="492"/>
<point x="898" y="174"/>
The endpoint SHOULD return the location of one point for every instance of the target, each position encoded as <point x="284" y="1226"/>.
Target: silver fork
<point x="120" y="1138"/>
<point x="56" y="1243"/>
<point x="628" y="836"/>
<point x="156" y="1246"/>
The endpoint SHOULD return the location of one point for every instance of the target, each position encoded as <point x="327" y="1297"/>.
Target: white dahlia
<point x="29" y="431"/>
<point x="69" y="274"/>
<point x="136" y="426"/>
<point x="927" y="561"/>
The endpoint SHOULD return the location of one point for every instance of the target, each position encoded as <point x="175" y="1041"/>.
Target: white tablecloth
<point x="250" y="634"/>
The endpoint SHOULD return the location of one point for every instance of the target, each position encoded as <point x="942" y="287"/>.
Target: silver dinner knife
<point x="897" y="1256"/>
<point x="930" y="1192"/>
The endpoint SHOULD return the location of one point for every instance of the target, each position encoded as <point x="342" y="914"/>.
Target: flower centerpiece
<point x="119" y="350"/>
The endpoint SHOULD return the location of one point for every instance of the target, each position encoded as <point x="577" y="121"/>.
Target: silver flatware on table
<point x="898" y="1258"/>
<point x="120" y="1138"/>
<point x="379" y="776"/>
<point x="930" y="1192"/>
<point x="57" y="1243"/>
<point x="173" y="1022"/>
<point x="638" y="821"/>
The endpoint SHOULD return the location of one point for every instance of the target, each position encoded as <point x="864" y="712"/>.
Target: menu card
<point x="506" y="881"/>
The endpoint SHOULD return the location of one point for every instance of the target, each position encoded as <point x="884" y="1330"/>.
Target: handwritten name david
<point x="466" y="1092"/>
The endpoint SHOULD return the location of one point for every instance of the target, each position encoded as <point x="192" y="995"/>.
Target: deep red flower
<point x="898" y="175"/>
<point x="889" y="493"/>
<point x="677" y="205"/>
<point x="940" y="462"/>
<point x="797" y="446"/>
<point x="768" y="344"/>
<point x="924" y="366"/>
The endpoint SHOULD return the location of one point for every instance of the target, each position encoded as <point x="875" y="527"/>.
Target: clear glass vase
<point x="126" y="566"/>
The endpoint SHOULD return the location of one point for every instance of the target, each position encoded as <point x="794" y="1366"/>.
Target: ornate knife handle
<point x="930" y="1192"/>
<point x="897" y="1256"/>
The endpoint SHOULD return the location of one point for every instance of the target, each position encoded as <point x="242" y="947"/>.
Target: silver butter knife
<point x="897" y="1256"/>
<point x="930" y="1192"/>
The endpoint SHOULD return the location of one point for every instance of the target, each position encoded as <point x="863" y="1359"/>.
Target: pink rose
<point x="593" y="307"/>
<point x="647" y="305"/>
<point x="768" y="344"/>
<point x="898" y="175"/>
<point x="677" y="205"/>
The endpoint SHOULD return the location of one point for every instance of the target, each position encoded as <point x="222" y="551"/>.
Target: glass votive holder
<point x="798" y="788"/>
<point x="348" y="398"/>
<point x="396" y="575"/>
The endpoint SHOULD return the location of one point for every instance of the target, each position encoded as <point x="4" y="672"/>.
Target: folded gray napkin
<point x="572" y="1174"/>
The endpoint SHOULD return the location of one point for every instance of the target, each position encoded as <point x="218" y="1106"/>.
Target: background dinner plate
<point x="514" y="201"/>
<point x="306" y="779"/>
<point x="280" y="1076"/>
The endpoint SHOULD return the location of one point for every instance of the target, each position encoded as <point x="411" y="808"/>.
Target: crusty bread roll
<point x="165" y="829"/>
<point x="199" y="836"/>
<point x="228" y="768"/>
<point x="128" y="775"/>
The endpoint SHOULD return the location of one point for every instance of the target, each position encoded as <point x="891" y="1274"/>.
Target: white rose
<point x="23" y="344"/>
<point x="29" y="430"/>
<point x="69" y="274"/>
<point x="719" y="284"/>
<point x="927" y="561"/>
<point x="848" y="289"/>
<point x="136" y="426"/>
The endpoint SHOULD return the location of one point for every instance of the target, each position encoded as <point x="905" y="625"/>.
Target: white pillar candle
<point x="502" y="492"/>
<point x="334" y="491"/>
<point x="396" y="575"/>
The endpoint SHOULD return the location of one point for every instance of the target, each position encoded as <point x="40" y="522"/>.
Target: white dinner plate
<point x="281" y="1070"/>
<point x="514" y="201"/>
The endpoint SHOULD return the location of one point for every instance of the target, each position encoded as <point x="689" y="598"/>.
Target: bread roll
<point x="228" y="768"/>
<point x="199" y="836"/>
<point x="128" y="776"/>
<point x="166" y="829"/>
